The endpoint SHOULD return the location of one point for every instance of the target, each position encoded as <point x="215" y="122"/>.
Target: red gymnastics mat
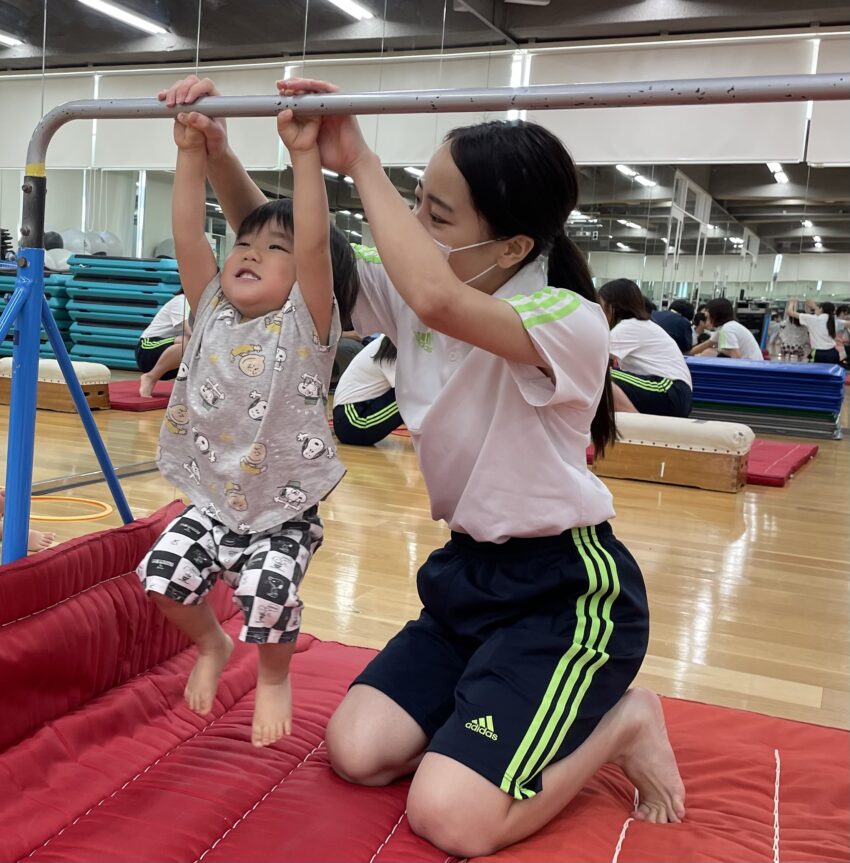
<point x="771" y="462"/>
<point x="101" y="760"/>
<point x="124" y="396"/>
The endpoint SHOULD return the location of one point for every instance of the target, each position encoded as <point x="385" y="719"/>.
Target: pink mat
<point x="124" y="396"/>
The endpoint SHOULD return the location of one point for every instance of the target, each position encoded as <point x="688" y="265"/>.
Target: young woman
<point x="732" y="340"/>
<point x="819" y="320"/>
<point x="365" y="408"/>
<point x="512" y="687"/>
<point x="652" y="376"/>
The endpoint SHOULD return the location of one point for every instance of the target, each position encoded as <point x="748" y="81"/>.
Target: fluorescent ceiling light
<point x="644" y="181"/>
<point x="780" y="177"/>
<point x="807" y="223"/>
<point x="353" y="234"/>
<point x="358" y="216"/>
<point x="629" y="224"/>
<point x="125" y="16"/>
<point x="712" y="227"/>
<point x="349" y="180"/>
<point x="625" y="169"/>
<point x="9" y="41"/>
<point x="415" y="172"/>
<point x="332" y="174"/>
<point x="355" y="10"/>
<point x="624" y="246"/>
<point x="817" y="239"/>
<point x="345" y="212"/>
<point x="774" y="167"/>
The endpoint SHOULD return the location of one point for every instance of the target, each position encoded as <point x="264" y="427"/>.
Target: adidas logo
<point x="483" y="725"/>
<point x="425" y="341"/>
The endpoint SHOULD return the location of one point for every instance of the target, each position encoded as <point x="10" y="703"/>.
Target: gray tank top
<point x="246" y="434"/>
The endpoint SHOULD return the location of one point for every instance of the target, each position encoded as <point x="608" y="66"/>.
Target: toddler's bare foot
<point x="272" y="712"/>
<point x="203" y="681"/>
<point x="2" y="501"/>
<point x="648" y="759"/>
<point x="39" y="541"/>
<point x="146" y="384"/>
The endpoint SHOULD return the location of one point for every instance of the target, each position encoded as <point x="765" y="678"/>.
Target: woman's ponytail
<point x="568" y="269"/>
<point x="829" y="309"/>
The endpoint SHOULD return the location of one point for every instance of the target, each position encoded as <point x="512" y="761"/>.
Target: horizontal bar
<point x="93" y="477"/>
<point x="695" y="91"/>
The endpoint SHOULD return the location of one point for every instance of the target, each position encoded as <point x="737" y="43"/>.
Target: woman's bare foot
<point x="203" y="681"/>
<point x="648" y="760"/>
<point x="39" y="541"/>
<point x="146" y="384"/>
<point x="272" y="712"/>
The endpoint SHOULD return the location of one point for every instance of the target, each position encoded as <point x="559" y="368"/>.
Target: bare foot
<point x="146" y="384"/>
<point x="272" y="712"/>
<point x="39" y="541"/>
<point x="203" y="681"/>
<point x="648" y="759"/>
<point x="2" y="501"/>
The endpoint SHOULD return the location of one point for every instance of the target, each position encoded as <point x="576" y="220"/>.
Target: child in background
<point x="732" y="340"/>
<point x="160" y="349"/>
<point x="365" y="409"/>
<point x="246" y="435"/>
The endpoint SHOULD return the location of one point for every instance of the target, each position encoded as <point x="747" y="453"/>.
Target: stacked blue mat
<point x="780" y="398"/>
<point x="112" y="301"/>
<point x="55" y="290"/>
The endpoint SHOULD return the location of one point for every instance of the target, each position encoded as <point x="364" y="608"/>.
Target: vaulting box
<point x="53" y="393"/>
<point x="701" y="453"/>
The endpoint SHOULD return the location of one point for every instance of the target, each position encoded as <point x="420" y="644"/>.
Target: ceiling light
<point x="355" y="10"/>
<point x="818" y="245"/>
<point x="125" y="16"/>
<point x="807" y="223"/>
<point x="629" y="224"/>
<point x="9" y="41"/>
<point x="644" y="181"/>
<point x="345" y="212"/>
<point x="358" y="216"/>
<point x="332" y="174"/>
<point x="774" y="167"/>
<point x="348" y="180"/>
<point x="624" y="246"/>
<point x="664" y="240"/>
<point x="415" y="172"/>
<point x="817" y="239"/>
<point x="780" y="177"/>
<point x="625" y="169"/>
<point x="712" y="227"/>
<point x="353" y="234"/>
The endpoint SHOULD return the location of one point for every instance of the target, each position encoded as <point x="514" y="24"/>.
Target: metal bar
<point x="12" y="310"/>
<point x="710" y="91"/>
<point x="84" y="411"/>
<point x="30" y="282"/>
<point x="92" y="477"/>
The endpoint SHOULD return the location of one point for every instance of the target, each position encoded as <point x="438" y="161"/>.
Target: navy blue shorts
<point x="367" y="422"/>
<point x="148" y="351"/>
<point x="828" y="355"/>
<point x="652" y="394"/>
<point x="520" y="650"/>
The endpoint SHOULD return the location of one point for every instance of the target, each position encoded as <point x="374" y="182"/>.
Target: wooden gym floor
<point x="748" y="592"/>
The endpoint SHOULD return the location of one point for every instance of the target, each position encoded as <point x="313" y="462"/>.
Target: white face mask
<point x="448" y="250"/>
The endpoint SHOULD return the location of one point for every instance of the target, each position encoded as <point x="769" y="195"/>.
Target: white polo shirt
<point x="733" y="335"/>
<point x="644" y="348"/>
<point x="364" y="378"/>
<point x="819" y="336"/>
<point x="501" y="446"/>
<point x="168" y="321"/>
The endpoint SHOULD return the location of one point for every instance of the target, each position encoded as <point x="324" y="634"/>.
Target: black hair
<point x="522" y="180"/>
<point x="624" y="301"/>
<point x="649" y="306"/>
<point x="346" y="284"/>
<point x="387" y="352"/>
<point x="700" y="318"/>
<point x="720" y="311"/>
<point x="683" y="308"/>
<point x="843" y="310"/>
<point x="829" y="309"/>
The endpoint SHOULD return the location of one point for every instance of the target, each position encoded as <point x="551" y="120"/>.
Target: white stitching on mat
<point x="389" y="836"/>
<point x="624" y="829"/>
<point x="63" y="601"/>
<point x="271" y="790"/>
<point x="130" y="781"/>
<point x="776" y="809"/>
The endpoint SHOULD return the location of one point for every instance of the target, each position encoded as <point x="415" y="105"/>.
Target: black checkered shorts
<point x="265" y="569"/>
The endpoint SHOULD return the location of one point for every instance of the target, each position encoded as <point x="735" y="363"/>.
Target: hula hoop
<point x="104" y="509"/>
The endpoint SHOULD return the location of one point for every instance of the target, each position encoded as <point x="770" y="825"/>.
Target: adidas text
<point x="474" y="726"/>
